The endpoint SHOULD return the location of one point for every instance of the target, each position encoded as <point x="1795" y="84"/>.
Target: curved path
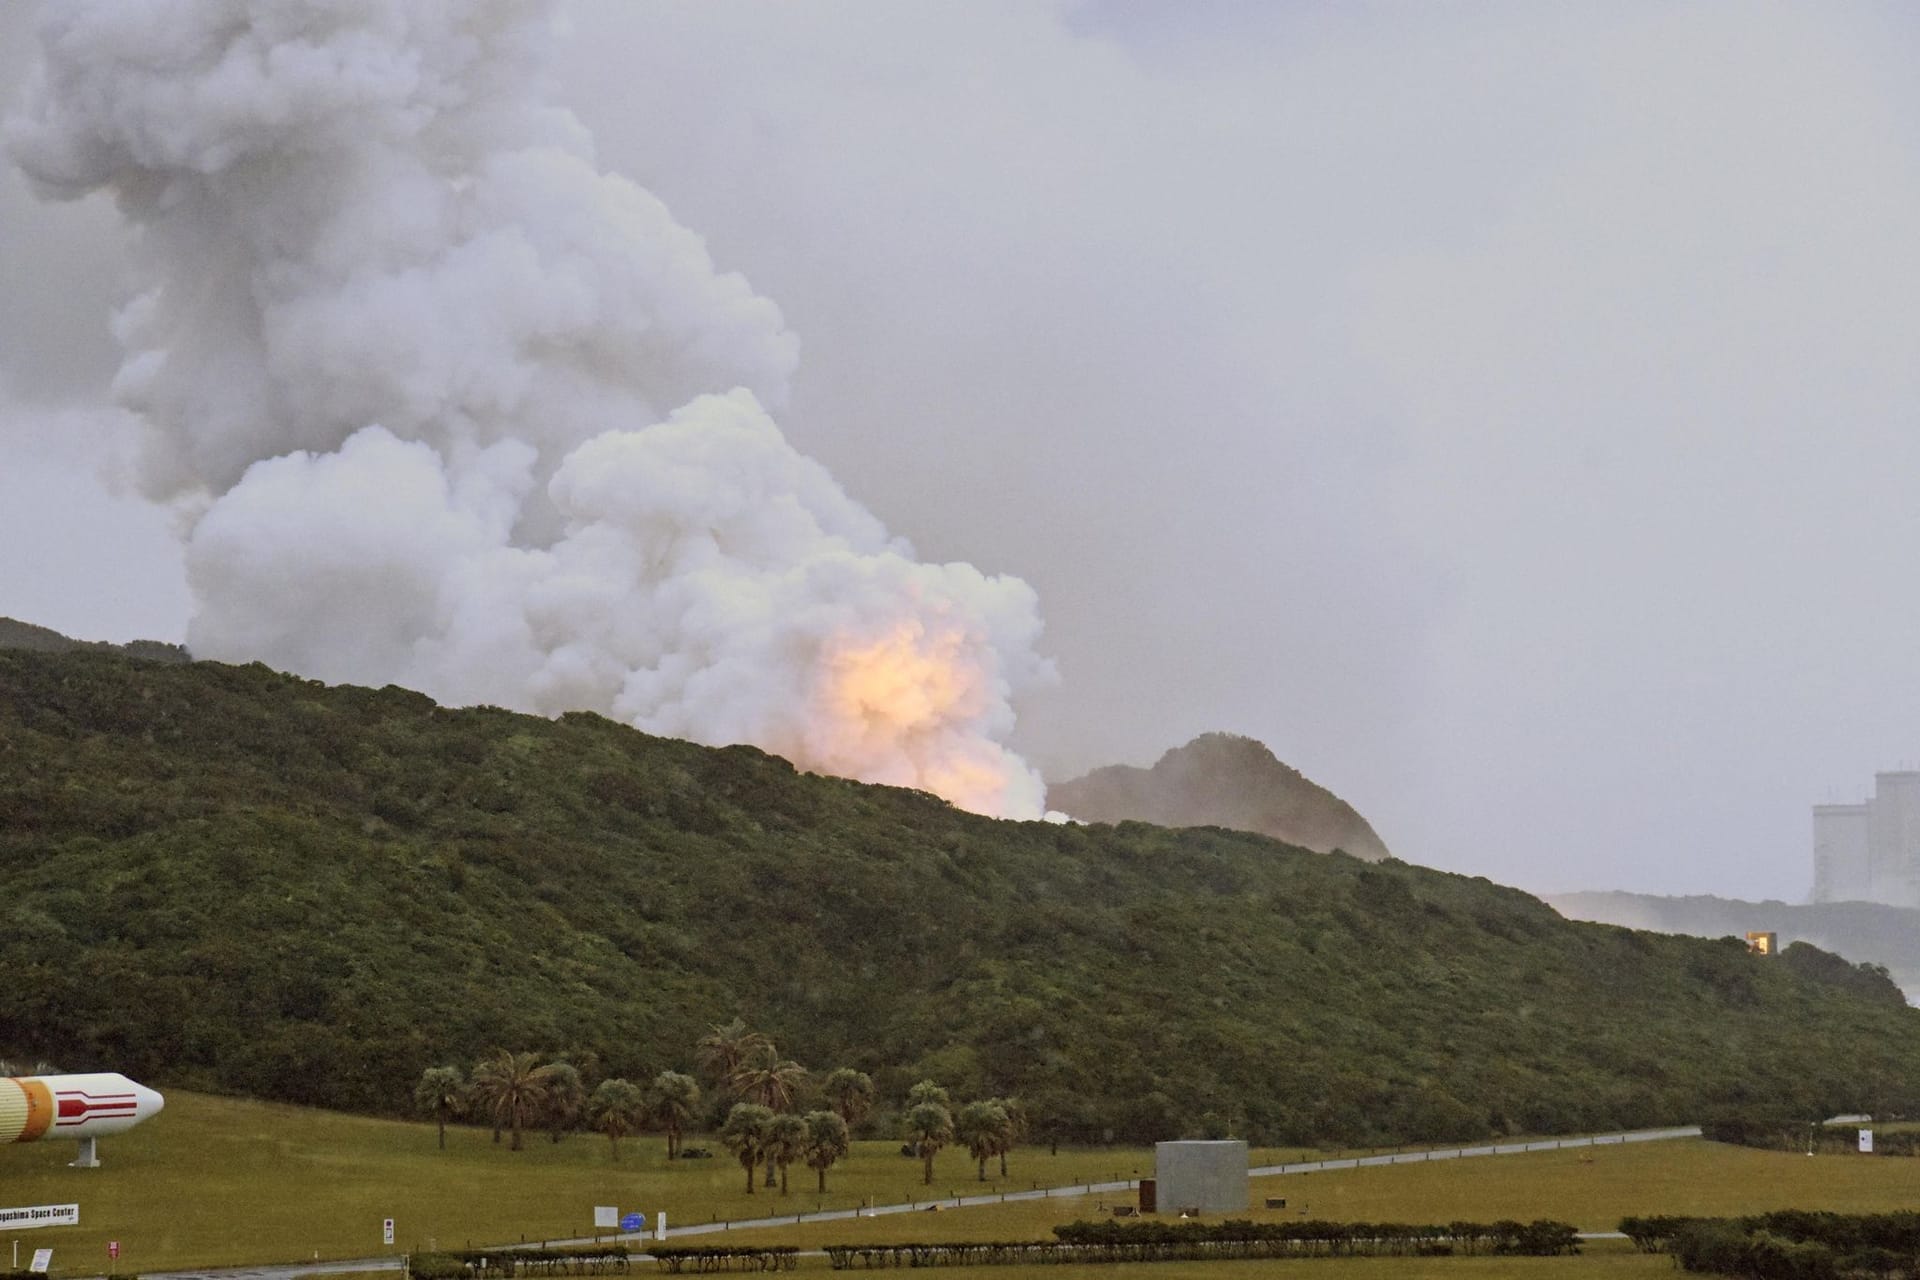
<point x="290" y="1270"/>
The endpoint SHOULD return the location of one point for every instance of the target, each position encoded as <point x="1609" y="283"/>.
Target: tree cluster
<point x="987" y="1127"/>
<point x="764" y="1127"/>
<point x="516" y="1091"/>
<point x="767" y="1126"/>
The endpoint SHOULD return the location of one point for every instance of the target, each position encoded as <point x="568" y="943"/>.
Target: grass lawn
<point x="214" y="1181"/>
<point x="1593" y="1188"/>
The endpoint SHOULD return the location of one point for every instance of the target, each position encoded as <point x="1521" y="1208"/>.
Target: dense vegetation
<point x="1778" y="1132"/>
<point x="1866" y="931"/>
<point x="1790" y="1245"/>
<point x="15" y="634"/>
<point x="231" y="879"/>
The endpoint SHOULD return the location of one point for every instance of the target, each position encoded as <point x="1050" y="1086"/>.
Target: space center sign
<point x="40" y="1215"/>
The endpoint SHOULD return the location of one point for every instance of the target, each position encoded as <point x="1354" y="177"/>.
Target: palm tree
<point x="770" y="1083"/>
<point x="767" y="1079"/>
<point x="512" y="1087"/>
<point x="980" y="1127"/>
<point x="725" y="1049"/>
<point x="929" y="1128"/>
<point x="745" y="1134"/>
<point x="566" y="1096"/>
<point x="673" y="1102"/>
<point x="616" y="1109"/>
<point x="827" y="1143"/>
<point x="1016" y="1127"/>
<point x="786" y="1142"/>
<point x="850" y="1093"/>
<point x="928" y="1091"/>
<point x="442" y="1093"/>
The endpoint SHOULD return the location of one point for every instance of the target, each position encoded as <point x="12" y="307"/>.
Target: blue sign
<point x="634" y="1222"/>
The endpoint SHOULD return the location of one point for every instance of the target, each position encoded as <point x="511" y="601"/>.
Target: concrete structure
<point x="1208" y="1176"/>
<point x="1840" y="853"/>
<point x="1870" y="852"/>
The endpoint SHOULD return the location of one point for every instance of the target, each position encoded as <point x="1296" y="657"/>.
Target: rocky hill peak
<point x="1222" y="780"/>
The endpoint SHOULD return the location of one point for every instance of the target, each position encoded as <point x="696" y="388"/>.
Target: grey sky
<point x="1506" y="412"/>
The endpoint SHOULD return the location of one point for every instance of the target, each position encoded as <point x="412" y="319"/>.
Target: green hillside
<point x="15" y="634"/>
<point x="1870" y="932"/>
<point x="230" y="879"/>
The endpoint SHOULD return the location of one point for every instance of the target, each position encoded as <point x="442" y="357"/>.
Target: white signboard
<point x="42" y="1259"/>
<point x="606" y="1215"/>
<point x="660" y="1233"/>
<point x="1866" y="1141"/>
<point x="386" y="1231"/>
<point x="40" y="1215"/>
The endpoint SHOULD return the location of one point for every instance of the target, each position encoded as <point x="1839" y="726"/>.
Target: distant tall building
<point x="1870" y="852"/>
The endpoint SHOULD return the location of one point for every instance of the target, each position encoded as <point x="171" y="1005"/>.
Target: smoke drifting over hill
<point x="455" y="410"/>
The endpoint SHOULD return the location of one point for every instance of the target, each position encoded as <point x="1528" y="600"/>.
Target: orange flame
<point x="902" y="707"/>
<point x="902" y="682"/>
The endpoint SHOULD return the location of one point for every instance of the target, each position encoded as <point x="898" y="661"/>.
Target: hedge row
<point x="495" y="1264"/>
<point x="1886" y="1142"/>
<point x="1899" y="1232"/>
<point x="1110" y="1242"/>
<point x="765" y="1258"/>
<point x="1541" y="1238"/>
<point x="1788" y="1245"/>
<point x="971" y="1253"/>
<point x="1776" y="1134"/>
<point x="1655" y="1233"/>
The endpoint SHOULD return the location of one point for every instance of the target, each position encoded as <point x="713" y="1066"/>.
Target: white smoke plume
<point x="455" y="410"/>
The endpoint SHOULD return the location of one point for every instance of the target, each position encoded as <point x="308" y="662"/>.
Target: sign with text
<point x="1866" y="1141"/>
<point x="633" y="1222"/>
<point x="386" y="1230"/>
<point x="113" y="1248"/>
<point x="40" y="1215"/>
<point x="42" y="1259"/>
<point x="606" y="1215"/>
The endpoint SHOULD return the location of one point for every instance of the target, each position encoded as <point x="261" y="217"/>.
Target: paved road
<point x="291" y="1270"/>
<point x="1462" y="1153"/>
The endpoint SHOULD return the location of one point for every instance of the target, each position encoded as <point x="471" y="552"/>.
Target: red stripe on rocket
<point x="83" y="1106"/>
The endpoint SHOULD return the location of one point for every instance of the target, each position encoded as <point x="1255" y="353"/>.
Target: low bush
<point x="764" y="1258"/>
<point x="1793" y="1244"/>
<point x="501" y="1264"/>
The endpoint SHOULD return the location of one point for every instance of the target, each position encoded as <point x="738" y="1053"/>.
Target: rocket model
<point x="80" y="1107"/>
